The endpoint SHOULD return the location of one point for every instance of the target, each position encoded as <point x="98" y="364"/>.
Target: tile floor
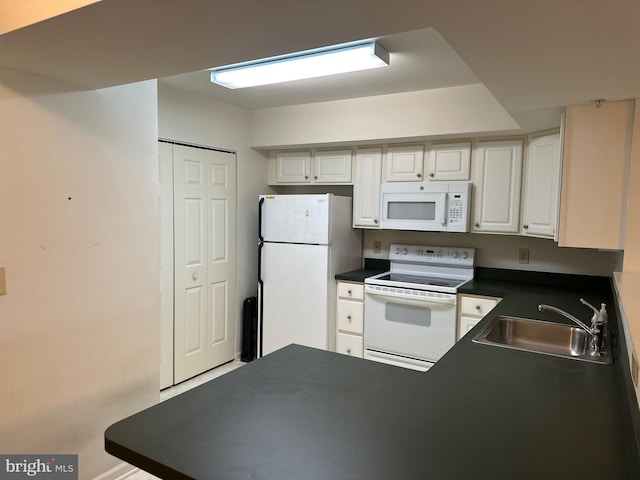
<point x="183" y="387"/>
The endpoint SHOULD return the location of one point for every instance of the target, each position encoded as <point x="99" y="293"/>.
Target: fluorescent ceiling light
<point x="300" y="66"/>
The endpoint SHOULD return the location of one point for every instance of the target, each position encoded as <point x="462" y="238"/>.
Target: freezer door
<point x="294" y="296"/>
<point x="295" y="218"/>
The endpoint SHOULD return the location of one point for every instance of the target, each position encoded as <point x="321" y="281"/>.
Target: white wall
<point x="78" y="237"/>
<point x="501" y="251"/>
<point x="190" y="118"/>
<point x="463" y="110"/>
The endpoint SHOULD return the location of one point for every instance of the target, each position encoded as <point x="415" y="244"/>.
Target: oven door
<point x="409" y="323"/>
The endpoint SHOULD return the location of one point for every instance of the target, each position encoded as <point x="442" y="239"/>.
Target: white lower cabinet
<point x="472" y="309"/>
<point x="349" y="344"/>
<point x="350" y="319"/>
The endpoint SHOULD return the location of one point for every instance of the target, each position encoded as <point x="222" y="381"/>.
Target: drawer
<point x="350" y="345"/>
<point x="353" y="291"/>
<point x="477" y="306"/>
<point x="350" y="316"/>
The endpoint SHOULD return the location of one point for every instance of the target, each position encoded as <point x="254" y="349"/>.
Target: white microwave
<point x="426" y="206"/>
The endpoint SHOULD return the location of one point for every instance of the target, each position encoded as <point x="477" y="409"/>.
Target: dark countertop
<point x="372" y="267"/>
<point x="480" y="412"/>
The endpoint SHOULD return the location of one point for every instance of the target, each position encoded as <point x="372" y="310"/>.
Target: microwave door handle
<point x="443" y="211"/>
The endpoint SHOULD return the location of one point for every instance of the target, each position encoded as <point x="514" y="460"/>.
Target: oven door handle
<point x="412" y="299"/>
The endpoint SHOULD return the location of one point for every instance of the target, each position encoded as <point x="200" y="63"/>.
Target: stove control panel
<point x="450" y="256"/>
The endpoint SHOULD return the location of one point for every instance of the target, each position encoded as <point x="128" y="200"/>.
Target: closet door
<point x="204" y="259"/>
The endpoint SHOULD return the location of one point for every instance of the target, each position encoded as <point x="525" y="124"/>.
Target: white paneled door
<point x="204" y="259"/>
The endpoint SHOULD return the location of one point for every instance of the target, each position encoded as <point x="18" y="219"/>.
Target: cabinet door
<point x="597" y="143"/>
<point x="541" y="187"/>
<point x="497" y="179"/>
<point x="350" y="316"/>
<point x="405" y="163"/>
<point x="350" y="345"/>
<point x="332" y="166"/>
<point x="293" y="167"/>
<point x="366" y="188"/>
<point x="465" y="324"/>
<point x="449" y="161"/>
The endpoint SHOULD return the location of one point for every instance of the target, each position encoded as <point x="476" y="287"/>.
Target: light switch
<point x="3" y="282"/>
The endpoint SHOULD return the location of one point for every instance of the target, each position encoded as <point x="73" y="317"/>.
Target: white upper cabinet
<point x="597" y="145"/>
<point x="541" y="186"/>
<point x="449" y="161"/>
<point x="293" y="167"/>
<point x="332" y="166"/>
<point x="497" y="176"/>
<point x="329" y="167"/>
<point x="366" y="188"/>
<point x="404" y="163"/>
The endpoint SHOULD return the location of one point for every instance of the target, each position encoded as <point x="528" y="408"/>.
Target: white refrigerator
<point x="304" y="241"/>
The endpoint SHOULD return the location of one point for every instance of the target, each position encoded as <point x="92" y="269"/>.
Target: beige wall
<point x="462" y="110"/>
<point x="632" y="240"/>
<point x="78" y="237"/>
<point x="501" y="251"/>
<point x="198" y="120"/>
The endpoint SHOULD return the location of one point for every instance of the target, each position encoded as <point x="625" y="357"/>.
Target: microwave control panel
<point x="457" y="214"/>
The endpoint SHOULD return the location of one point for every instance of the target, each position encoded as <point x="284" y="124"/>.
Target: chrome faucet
<point x="595" y="345"/>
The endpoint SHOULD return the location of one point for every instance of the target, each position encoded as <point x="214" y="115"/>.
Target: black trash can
<point x="249" y="329"/>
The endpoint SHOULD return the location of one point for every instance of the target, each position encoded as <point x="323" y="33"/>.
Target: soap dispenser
<point x="604" y="319"/>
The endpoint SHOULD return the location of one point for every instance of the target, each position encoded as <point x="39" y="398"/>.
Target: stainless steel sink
<point x="538" y="336"/>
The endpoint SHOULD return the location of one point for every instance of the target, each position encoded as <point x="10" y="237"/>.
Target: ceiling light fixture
<point x="303" y="65"/>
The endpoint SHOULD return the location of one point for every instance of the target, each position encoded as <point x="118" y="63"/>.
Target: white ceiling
<point x="418" y="60"/>
<point x="534" y="56"/>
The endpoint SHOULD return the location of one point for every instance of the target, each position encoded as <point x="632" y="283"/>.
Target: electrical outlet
<point x="523" y="255"/>
<point x="377" y="246"/>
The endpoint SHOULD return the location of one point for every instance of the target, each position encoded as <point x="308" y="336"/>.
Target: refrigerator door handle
<point x="260" y="297"/>
<point x="260" y="204"/>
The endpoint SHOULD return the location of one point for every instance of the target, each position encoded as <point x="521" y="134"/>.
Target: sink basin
<point x="542" y="337"/>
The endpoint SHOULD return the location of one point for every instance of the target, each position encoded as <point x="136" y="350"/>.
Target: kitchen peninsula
<point x="480" y="412"/>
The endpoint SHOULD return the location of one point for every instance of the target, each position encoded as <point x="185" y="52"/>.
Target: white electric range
<point x="411" y="310"/>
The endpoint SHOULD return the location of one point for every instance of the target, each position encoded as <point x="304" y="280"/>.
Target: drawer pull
<point x="349" y="292"/>
<point x="478" y="307"/>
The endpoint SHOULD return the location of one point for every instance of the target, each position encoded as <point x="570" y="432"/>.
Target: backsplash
<point x="503" y="251"/>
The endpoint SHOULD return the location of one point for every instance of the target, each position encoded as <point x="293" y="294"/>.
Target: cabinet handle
<point x="348" y="351"/>
<point x="477" y="225"/>
<point x="375" y="220"/>
<point x="419" y="175"/>
<point x="432" y="174"/>
<point x="349" y="292"/>
<point x="194" y="276"/>
<point x="349" y="317"/>
<point x="315" y="177"/>
<point x="306" y="177"/>
<point x="525" y="226"/>
<point x="478" y="307"/>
